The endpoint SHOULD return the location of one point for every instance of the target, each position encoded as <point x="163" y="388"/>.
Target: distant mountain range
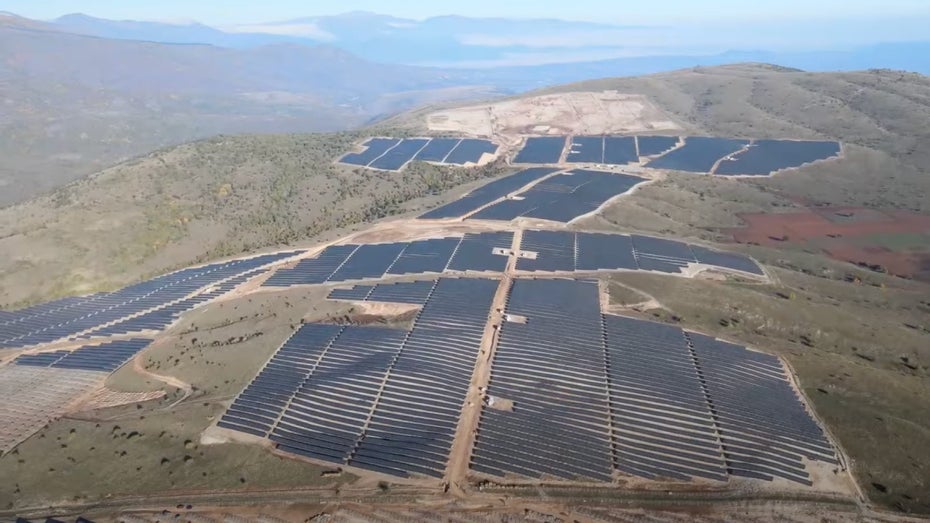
<point x="482" y="43"/>
<point x="83" y="92"/>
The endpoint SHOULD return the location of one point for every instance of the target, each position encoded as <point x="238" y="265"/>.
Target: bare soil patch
<point x="556" y="114"/>
<point x="897" y="242"/>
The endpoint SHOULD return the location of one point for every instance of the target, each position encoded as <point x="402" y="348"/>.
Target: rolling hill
<point x="81" y="103"/>
<point x="856" y="338"/>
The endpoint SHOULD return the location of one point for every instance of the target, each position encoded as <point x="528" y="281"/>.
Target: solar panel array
<point x="380" y="399"/>
<point x="663" y="426"/>
<point x="488" y="193"/>
<point x="763" y="425"/>
<point x="610" y="150"/>
<point x="35" y="395"/>
<point x="655" y="145"/>
<point x="414" y="293"/>
<point x="392" y="154"/>
<point x="106" y="357"/>
<point x="591" y="395"/>
<point x="161" y="318"/>
<point x="698" y="154"/>
<point x="558" y="251"/>
<point x="552" y="368"/>
<point x="472" y="252"/>
<point x="60" y="319"/>
<point x="561" y="198"/>
<point x="767" y="156"/>
<point x="541" y="149"/>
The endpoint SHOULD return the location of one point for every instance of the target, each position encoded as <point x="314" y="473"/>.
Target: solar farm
<point x="579" y="396"/>
<point x="694" y="154"/>
<point x="509" y="366"/>
<point x="393" y="154"/>
<point x="539" y="194"/>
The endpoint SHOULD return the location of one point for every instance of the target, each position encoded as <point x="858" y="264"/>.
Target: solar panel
<point x="437" y="149"/>
<point x="368" y="261"/>
<point x="374" y="148"/>
<point x="541" y="149"/>
<point x="398" y="156"/>
<point x="552" y="367"/>
<point x="424" y="256"/>
<point x="620" y="150"/>
<point x="605" y="251"/>
<point x="562" y="198"/>
<point x="764" y="426"/>
<point x="764" y="157"/>
<point x="655" y="145"/>
<point x="476" y="252"/>
<point x="586" y="149"/>
<point x="699" y="154"/>
<point x="665" y="421"/>
<point x="555" y="251"/>
<point x="470" y="150"/>
<point x="312" y="271"/>
<point x="727" y="260"/>
<point x="487" y="194"/>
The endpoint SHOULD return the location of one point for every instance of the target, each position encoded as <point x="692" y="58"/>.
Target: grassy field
<point x="155" y="447"/>
<point x="199" y="202"/>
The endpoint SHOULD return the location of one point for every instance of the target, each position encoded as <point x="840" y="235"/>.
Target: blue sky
<point x="220" y="12"/>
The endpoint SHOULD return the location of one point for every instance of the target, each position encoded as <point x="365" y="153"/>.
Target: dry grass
<point x="199" y="202"/>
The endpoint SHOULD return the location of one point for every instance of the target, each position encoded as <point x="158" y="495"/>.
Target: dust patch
<point x="604" y="112"/>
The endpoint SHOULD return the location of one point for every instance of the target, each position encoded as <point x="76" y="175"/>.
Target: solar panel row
<point x="381" y="399"/>
<point x="486" y="194"/>
<point x="258" y="407"/>
<point x="569" y="251"/>
<point x="764" y="157"/>
<point x="541" y="149"/>
<point x="414" y="423"/>
<point x="105" y="357"/>
<point x="53" y="321"/>
<point x="161" y="318"/>
<point x="590" y="393"/>
<point x="473" y="252"/>
<point x="392" y="154"/>
<point x="764" y="427"/>
<point x="662" y="422"/>
<point x="617" y="150"/>
<point x="655" y="145"/>
<point x="561" y="198"/>
<point x="414" y="293"/>
<point x="698" y="154"/>
<point x="33" y="395"/>
<point x="553" y="370"/>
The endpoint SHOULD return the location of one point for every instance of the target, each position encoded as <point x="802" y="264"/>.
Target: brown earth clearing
<point x="897" y="242"/>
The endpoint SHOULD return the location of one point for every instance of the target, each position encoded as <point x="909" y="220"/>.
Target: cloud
<point x="303" y="30"/>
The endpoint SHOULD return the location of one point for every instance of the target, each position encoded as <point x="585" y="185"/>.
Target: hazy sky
<point x="226" y="12"/>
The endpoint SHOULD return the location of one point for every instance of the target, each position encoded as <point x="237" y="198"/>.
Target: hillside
<point x="855" y="337"/>
<point x="80" y="103"/>
<point x="196" y="202"/>
<point x="879" y="115"/>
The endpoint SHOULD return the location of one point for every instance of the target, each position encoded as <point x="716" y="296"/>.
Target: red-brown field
<point x="896" y="241"/>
